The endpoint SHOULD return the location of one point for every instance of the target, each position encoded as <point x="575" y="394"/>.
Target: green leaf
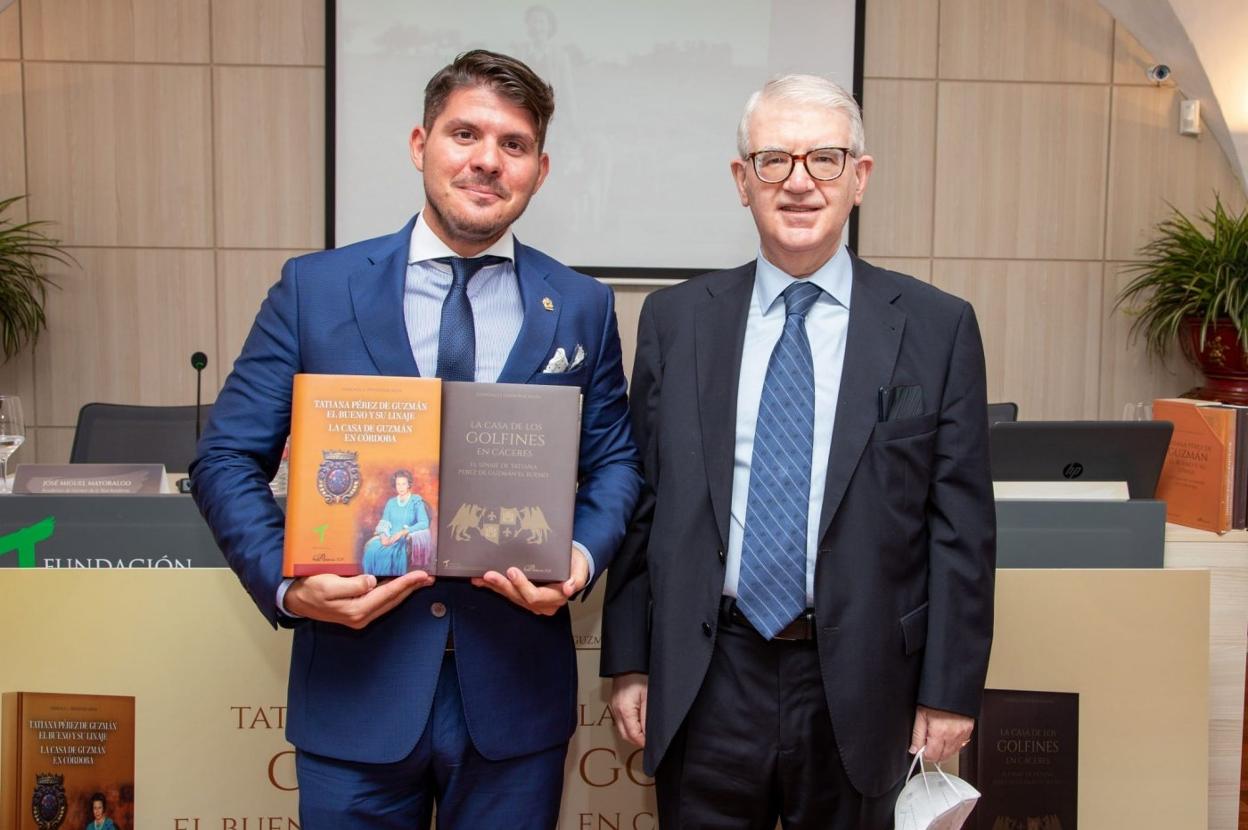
<point x="25" y="251"/>
<point x="1189" y="270"/>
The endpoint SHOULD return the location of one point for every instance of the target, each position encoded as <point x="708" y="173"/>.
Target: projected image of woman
<point x="403" y="525"/>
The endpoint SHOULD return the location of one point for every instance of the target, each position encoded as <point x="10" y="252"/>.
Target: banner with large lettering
<point x="209" y="680"/>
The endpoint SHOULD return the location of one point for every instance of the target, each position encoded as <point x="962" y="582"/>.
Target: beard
<point x="471" y="227"/>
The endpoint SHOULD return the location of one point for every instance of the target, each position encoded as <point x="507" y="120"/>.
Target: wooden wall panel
<point x="1127" y="373"/>
<point x="268" y="31"/>
<point x="122" y="330"/>
<point x="52" y="445"/>
<point x="918" y="268"/>
<point x="628" y="301"/>
<point x="11" y="33"/>
<point x="1026" y="40"/>
<point x="270" y="157"/>
<point x="901" y="39"/>
<point x="243" y="280"/>
<point x="163" y="31"/>
<point x="17" y="377"/>
<point x="1020" y="170"/>
<point x="1041" y="324"/>
<point x="119" y="154"/>
<point x="900" y="123"/>
<point x="1151" y="165"/>
<point x="12" y="138"/>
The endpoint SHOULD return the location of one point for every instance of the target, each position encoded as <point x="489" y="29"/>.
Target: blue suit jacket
<point x="366" y="695"/>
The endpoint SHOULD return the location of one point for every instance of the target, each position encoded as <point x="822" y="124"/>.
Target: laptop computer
<point x="1130" y="451"/>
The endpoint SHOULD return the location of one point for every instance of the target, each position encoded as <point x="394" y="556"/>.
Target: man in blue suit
<point x="409" y="692"/>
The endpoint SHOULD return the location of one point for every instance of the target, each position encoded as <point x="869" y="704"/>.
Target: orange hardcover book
<point x="1198" y="479"/>
<point x="66" y="761"/>
<point x="362" y="494"/>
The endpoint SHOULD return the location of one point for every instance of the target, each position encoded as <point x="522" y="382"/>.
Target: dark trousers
<point x="445" y="769"/>
<point x="758" y="746"/>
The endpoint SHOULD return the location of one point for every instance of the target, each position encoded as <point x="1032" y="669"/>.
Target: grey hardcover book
<point x="1024" y="759"/>
<point x="509" y="462"/>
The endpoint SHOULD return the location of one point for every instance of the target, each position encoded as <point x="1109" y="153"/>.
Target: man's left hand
<point x="943" y="733"/>
<point x="540" y="599"/>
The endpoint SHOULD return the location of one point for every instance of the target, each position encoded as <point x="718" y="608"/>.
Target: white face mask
<point x="933" y="801"/>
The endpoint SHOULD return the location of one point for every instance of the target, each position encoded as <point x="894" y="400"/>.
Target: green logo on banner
<point x="24" y="541"/>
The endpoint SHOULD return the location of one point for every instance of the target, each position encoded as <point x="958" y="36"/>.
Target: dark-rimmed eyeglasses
<point x="823" y="164"/>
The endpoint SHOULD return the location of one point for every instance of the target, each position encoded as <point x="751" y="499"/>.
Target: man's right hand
<point x="353" y="601"/>
<point x="628" y="706"/>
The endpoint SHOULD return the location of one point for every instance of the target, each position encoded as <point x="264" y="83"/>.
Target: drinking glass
<point x="12" y="434"/>
<point x="1139" y="411"/>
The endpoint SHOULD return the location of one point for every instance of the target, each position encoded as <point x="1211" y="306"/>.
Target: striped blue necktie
<point x="457" y="337"/>
<point x="771" y="590"/>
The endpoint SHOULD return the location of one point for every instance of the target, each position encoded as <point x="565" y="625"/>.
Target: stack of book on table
<point x="1205" y="479"/>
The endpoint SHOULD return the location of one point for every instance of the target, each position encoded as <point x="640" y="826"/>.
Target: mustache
<point x="488" y="182"/>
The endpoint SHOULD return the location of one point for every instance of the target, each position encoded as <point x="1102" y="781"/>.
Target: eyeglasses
<point x="824" y="164"/>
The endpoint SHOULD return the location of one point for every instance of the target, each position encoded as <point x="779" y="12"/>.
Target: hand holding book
<point x="540" y="599"/>
<point x="353" y="601"/>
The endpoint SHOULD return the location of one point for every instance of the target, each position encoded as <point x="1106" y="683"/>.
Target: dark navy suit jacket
<point x="366" y="695"/>
<point x="904" y="574"/>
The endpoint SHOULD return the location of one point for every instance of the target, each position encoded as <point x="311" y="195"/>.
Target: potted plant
<point x="1191" y="287"/>
<point x="24" y="251"/>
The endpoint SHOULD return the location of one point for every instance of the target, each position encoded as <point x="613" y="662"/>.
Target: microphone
<point x="199" y="361"/>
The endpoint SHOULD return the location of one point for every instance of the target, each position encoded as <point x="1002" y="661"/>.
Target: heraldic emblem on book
<point x="502" y="524"/>
<point x="338" y="477"/>
<point x="49" y="804"/>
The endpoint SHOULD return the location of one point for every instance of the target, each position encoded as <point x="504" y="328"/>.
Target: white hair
<point x="805" y="89"/>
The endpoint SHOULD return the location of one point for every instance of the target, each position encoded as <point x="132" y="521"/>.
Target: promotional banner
<point x="208" y="676"/>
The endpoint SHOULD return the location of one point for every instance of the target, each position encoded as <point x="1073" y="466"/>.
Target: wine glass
<point x="12" y="434"/>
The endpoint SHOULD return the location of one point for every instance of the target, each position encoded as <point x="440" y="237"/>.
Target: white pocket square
<point x="559" y="364"/>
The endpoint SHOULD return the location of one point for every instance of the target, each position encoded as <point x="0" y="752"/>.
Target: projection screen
<point x="648" y="95"/>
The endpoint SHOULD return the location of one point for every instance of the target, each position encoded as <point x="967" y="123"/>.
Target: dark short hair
<point x="398" y="474"/>
<point x="100" y="798"/>
<point x="504" y="75"/>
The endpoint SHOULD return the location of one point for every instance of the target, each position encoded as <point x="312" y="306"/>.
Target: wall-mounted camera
<point x="1158" y="73"/>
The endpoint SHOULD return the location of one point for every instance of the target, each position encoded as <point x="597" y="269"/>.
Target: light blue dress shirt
<point x="827" y="323"/>
<point x="494" y="292"/>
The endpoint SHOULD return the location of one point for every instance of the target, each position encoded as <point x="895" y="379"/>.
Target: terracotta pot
<point x="1223" y="361"/>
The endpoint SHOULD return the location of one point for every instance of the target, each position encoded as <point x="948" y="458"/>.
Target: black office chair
<point x="122" y="434"/>
<point x="998" y="412"/>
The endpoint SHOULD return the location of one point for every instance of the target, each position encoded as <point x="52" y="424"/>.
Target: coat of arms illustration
<point x="338" y="477"/>
<point x="499" y="524"/>
<point x="48" y="803"/>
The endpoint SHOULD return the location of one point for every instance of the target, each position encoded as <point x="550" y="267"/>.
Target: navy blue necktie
<point x="771" y="589"/>
<point x="457" y="337"/>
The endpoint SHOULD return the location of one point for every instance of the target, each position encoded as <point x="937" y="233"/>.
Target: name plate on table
<point x="91" y="479"/>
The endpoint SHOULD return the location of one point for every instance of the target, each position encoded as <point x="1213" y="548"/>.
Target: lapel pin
<point x="548" y="304"/>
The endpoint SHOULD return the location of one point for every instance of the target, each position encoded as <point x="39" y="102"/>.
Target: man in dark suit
<point x="806" y="590"/>
<point x="408" y="692"/>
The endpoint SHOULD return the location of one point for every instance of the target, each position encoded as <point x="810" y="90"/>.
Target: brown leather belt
<point x="802" y="628"/>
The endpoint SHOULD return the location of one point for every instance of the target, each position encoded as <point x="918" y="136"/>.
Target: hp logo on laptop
<point x="1072" y="470"/>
